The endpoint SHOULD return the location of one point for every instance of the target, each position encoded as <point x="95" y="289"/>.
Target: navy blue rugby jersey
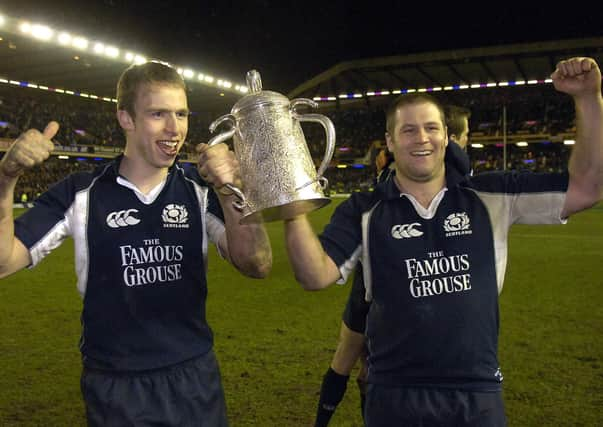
<point x="433" y="275"/>
<point x="140" y="262"/>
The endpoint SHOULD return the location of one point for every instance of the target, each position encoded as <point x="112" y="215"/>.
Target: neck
<point x="424" y="192"/>
<point x="144" y="176"/>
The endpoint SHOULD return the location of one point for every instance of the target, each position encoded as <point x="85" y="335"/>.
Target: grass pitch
<point x="274" y="341"/>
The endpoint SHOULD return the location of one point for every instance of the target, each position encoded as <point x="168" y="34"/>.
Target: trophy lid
<point x="257" y="97"/>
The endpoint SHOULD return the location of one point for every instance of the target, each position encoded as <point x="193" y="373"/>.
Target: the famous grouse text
<point x="151" y="263"/>
<point x="438" y="274"/>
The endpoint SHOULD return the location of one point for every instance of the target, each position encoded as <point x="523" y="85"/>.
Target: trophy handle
<point x="327" y="124"/>
<point x="241" y="203"/>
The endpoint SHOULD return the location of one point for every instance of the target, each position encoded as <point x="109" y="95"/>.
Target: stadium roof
<point x="444" y="69"/>
<point x="28" y="61"/>
<point x="25" y="60"/>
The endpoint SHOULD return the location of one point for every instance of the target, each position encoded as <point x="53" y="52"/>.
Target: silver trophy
<point x="280" y="178"/>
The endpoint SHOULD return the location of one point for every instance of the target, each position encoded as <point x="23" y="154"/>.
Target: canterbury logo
<point x="122" y="218"/>
<point x="406" y="231"/>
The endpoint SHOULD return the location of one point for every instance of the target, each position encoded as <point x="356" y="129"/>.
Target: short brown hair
<point x="409" y="99"/>
<point x="455" y="119"/>
<point x="135" y="76"/>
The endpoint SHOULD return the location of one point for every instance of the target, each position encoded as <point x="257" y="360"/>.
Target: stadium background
<point x="273" y="340"/>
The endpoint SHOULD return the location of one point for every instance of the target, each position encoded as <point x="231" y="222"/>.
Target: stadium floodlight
<point x="548" y="80"/>
<point x="520" y="83"/>
<point x="188" y="73"/>
<point x="3" y="81"/>
<point x="343" y="96"/>
<point x="411" y="90"/>
<point x="370" y="94"/>
<point x="2" y="20"/>
<point x="209" y="79"/>
<point x="129" y="56"/>
<point x="331" y="98"/>
<point x="244" y="89"/>
<point x="448" y="88"/>
<point x="15" y="82"/>
<point x="64" y="39"/>
<point x="357" y="95"/>
<point x="521" y="144"/>
<point x="32" y="85"/>
<point x="227" y="84"/>
<point x="463" y="86"/>
<point x="139" y="59"/>
<point x="422" y="89"/>
<point x="99" y="48"/>
<point x="63" y="157"/>
<point x="436" y="89"/>
<point x="568" y="142"/>
<point x="43" y="87"/>
<point x="396" y="91"/>
<point x="477" y="145"/>
<point x="111" y="51"/>
<point x="491" y="84"/>
<point x="25" y="27"/>
<point x="502" y="84"/>
<point x="532" y="82"/>
<point x="41" y="32"/>
<point x="80" y="43"/>
<point x="200" y="76"/>
<point x="476" y="86"/>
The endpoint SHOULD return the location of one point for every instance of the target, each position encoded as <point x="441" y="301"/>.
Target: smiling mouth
<point x="421" y="153"/>
<point x="169" y="147"/>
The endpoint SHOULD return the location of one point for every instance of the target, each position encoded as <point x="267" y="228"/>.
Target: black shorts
<point x="188" y="394"/>
<point x="356" y="309"/>
<point x="430" y="407"/>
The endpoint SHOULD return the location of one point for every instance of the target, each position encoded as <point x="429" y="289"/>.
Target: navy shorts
<point x="430" y="407"/>
<point x="184" y="395"/>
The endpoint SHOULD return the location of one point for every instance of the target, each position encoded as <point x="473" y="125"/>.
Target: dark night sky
<point x="289" y="42"/>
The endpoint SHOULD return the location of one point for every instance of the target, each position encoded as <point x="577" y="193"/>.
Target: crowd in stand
<point x="360" y="131"/>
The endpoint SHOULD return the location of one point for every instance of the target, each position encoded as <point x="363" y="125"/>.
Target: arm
<point x="581" y="78"/>
<point x="247" y="247"/>
<point x="30" y="149"/>
<point x="312" y="267"/>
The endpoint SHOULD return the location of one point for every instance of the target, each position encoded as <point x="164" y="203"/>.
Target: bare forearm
<point x="7" y="188"/>
<point x="249" y="247"/>
<point x="312" y="267"/>
<point x="586" y="161"/>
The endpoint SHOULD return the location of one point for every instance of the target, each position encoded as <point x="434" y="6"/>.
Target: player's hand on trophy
<point x="218" y="166"/>
<point x="31" y="148"/>
<point x="578" y="77"/>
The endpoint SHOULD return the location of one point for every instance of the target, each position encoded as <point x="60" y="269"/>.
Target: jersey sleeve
<point x="523" y="197"/>
<point x="342" y="237"/>
<point x="46" y="225"/>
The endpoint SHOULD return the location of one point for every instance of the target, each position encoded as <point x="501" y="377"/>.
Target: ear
<point x="125" y="120"/>
<point x="389" y="142"/>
